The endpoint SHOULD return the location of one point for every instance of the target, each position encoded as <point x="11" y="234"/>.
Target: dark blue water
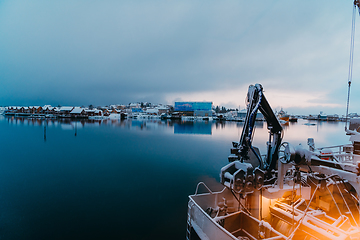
<point x="116" y="179"/>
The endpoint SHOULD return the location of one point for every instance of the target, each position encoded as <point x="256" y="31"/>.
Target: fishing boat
<point x="282" y="115"/>
<point x="291" y="192"/>
<point x="293" y="118"/>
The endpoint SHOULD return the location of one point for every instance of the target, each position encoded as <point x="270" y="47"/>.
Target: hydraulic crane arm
<point x="257" y="102"/>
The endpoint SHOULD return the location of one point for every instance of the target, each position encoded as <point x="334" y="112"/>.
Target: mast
<point x="351" y="61"/>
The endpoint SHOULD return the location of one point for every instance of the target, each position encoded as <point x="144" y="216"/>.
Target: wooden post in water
<point x="45" y="131"/>
<point x="75" y="128"/>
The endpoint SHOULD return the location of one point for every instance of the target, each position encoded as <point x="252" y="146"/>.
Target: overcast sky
<point x="114" y="52"/>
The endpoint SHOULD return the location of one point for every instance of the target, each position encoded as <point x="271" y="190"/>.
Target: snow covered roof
<point x="77" y="110"/>
<point x="134" y="104"/>
<point x="152" y="110"/>
<point x="47" y="107"/>
<point x="15" y="107"/>
<point x="66" y="108"/>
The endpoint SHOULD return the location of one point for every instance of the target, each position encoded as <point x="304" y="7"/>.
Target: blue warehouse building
<point x="202" y="109"/>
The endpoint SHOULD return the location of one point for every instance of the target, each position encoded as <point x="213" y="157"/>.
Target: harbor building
<point x="201" y="109"/>
<point x="137" y="110"/>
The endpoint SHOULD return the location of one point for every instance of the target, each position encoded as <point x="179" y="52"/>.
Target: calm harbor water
<point x="117" y="179"/>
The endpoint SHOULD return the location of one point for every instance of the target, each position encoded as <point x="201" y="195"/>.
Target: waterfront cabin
<point x="65" y="110"/>
<point x="152" y="111"/>
<point x="47" y="110"/>
<point x="106" y="112"/>
<point x="93" y="112"/>
<point x="162" y="109"/>
<point x="35" y="109"/>
<point x="78" y="112"/>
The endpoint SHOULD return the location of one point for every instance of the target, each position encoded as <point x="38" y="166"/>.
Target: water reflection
<point x="94" y="172"/>
<point x="193" y="128"/>
<point x="324" y="133"/>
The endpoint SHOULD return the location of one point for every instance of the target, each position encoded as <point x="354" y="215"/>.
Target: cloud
<point x="103" y="52"/>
